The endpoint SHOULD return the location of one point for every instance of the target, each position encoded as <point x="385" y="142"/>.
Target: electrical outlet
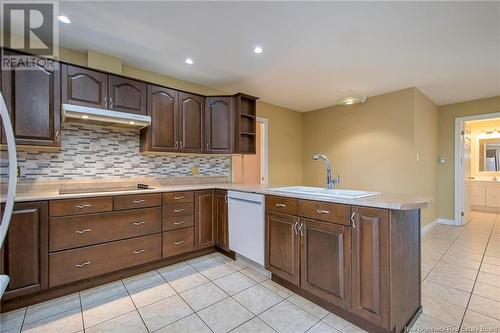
<point x="195" y="171"/>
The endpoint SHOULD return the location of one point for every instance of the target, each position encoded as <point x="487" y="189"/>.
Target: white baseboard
<point x="428" y="227"/>
<point x="446" y="221"/>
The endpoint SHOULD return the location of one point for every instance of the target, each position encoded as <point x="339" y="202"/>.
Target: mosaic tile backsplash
<point x="97" y="152"/>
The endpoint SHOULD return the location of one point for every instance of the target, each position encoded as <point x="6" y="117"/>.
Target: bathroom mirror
<point x="489" y="154"/>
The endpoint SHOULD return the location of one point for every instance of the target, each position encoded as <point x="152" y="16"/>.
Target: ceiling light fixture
<point x="258" y="49"/>
<point x="189" y="61"/>
<point x="131" y="122"/>
<point x="85" y="116"/>
<point x="350" y="100"/>
<point x="64" y="19"/>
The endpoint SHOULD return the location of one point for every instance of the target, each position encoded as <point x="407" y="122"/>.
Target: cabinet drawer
<point x="178" y="210"/>
<point x="325" y="211"/>
<point x="173" y="223"/>
<point x="492" y="196"/>
<point x="178" y="241"/>
<point x="78" y="264"/>
<point x="80" y="206"/>
<point x="177" y="197"/>
<point x="137" y="201"/>
<point x="75" y="231"/>
<point x="282" y="205"/>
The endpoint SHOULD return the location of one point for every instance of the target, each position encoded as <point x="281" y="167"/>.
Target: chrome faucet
<point x="330" y="182"/>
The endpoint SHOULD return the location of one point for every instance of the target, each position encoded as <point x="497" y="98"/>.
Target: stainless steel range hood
<point x="78" y="113"/>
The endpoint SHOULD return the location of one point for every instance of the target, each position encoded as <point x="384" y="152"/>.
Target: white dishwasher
<point x="246" y="225"/>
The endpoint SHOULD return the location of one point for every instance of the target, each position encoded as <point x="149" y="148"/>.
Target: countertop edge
<point x="384" y="201"/>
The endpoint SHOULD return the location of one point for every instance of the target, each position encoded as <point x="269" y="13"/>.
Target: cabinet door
<point x="33" y="100"/>
<point x="24" y="256"/>
<point x="191" y="123"/>
<point x="204" y="222"/>
<point x="84" y="87"/>
<point x="222" y="236"/>
<point x="126" y="95"/>
<point x="492" y="196"/>
<point x="370" y="265"/>
<point x="477" y="195"/>
<point x="325" y="261"/>
<point x="163" y="108"/>
<point x="282" y="250"/>
<point x="219" y="124"/>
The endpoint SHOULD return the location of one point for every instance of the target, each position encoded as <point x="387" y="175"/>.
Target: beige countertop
<point x="384" y="200"/>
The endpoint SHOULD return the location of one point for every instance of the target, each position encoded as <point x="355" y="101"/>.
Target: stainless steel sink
<point x="323" y="192"/>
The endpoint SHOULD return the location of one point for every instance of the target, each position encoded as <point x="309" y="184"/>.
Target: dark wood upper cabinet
<point x="325" y="261"/>
<point x="24" y="256"/>
<point x="204" y="219"/>
<point x="221" y="235"/>
<point x="282" y="250"/>
<point x="191" y="138"/>
<point x="219" y="124"/>
<point x="370" y="265"/>
<point x="126" y="95"/>
<point x="162" y="134"/>
<point x="84" y="87"/>
<point x="33" y="101"/>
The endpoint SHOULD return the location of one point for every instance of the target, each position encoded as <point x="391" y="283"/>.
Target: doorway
<point x="477" y="165"/>
<point x="253" y="169"/>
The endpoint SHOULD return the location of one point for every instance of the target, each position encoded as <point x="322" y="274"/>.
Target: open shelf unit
<point x="246" y="123"/>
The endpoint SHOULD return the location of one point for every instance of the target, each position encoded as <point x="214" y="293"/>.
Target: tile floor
<point x="460" y="290"/>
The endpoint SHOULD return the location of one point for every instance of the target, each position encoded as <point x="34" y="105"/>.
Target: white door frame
<point x="458" y="170"/>
<point x="264" y="148"/>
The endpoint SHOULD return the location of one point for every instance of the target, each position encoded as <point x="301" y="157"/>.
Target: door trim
<point x="458" y="170"/>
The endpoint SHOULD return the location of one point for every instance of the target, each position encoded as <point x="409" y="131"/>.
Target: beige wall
<point x="285" y="143"/>
<point x="374" y="146"/>
<point x="426" y="145"/>
<point x="446" y="172"/>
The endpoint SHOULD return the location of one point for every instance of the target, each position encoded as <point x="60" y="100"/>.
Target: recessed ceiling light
<point x="64" y="19"/>
<point x="131" y="122"/>
<point x="258" y="49"/>
<point x="189" y="61"/>
<point x="85" y="116"/>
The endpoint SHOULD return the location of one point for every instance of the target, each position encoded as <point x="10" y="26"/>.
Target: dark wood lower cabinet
<point x="24" y="255"/>
<point x="204" y="219"/>
<point x="370" y="265"/>
<point x="282" y="251"/>
<point x="222" y="234"/>
<point x="326" y="261"/>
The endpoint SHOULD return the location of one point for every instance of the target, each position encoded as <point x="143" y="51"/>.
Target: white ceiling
<point x="314" y="52"/>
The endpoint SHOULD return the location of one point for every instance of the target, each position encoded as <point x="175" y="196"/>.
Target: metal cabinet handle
<point x="139" y="201"/>
<point x="176" y="145"/>
<point x="279" y="205"/>
<point x="321" y="211"/>
<point x="207" y="146"/>
<point x="179" y="198"/>
<point x="352" y="220"/>
<point x="140" y="251"/>
<point x="178" y="210"/>
<point x="139" y="223"/>
<point x="111" y="104"/>
<point x="83" y="231"/>
<point x="178" y="243"/>
<point x="225" y="198"/>
<point x="105" y="102"/>
<point x="300" y="230"/>
<point x="58" y="136"/>
<point x="83" y="206"/>
<point x="24" y="211"/>
<point x="178" y="223"/>
<point x="295" y="227"/>
<point x="83" y="264"/>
